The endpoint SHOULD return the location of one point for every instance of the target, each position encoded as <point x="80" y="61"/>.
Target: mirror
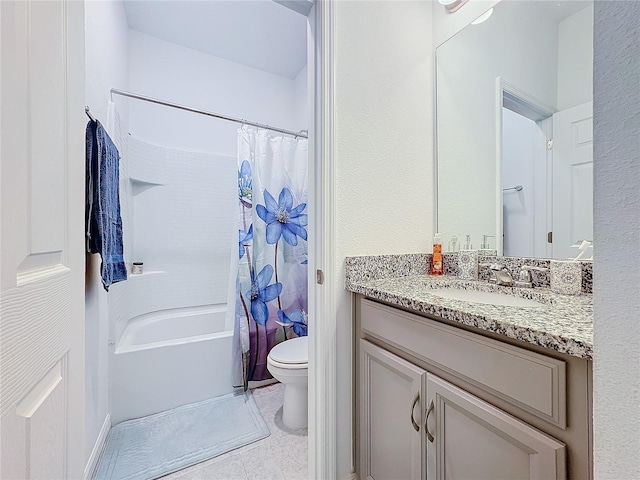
<point x="514" y="130"/>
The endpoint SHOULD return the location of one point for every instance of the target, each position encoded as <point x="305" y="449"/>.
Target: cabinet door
<point x="392" y="393"/>
<point x="471" y="439"/>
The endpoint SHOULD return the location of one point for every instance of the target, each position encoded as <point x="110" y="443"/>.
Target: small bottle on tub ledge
<point x="436" y="257"/>
<point x="137" y="268"/>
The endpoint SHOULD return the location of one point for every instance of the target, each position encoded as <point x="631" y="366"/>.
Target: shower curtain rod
<point x="301" y="133"/>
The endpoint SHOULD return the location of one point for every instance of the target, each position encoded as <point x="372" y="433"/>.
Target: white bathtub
<point x="170" y="358"/>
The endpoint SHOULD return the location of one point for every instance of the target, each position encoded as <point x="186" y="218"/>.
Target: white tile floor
<point x="280" y="456"/>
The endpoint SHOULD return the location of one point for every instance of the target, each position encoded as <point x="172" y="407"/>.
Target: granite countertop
<point x="563" y="323"/>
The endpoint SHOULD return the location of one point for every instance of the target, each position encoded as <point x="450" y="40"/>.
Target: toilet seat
<point x="292" y="353"/>
<point x="287" y="366"/>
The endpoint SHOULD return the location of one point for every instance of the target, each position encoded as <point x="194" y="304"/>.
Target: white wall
<point x="383" y="156"/>
<point x="468" y="66"/>
<point x="177" y="74"/>
<point x="575" y="59"/>
<point x="106" y="66"/>
<point x="301" y="99"/>
<point x="616" y="408"/>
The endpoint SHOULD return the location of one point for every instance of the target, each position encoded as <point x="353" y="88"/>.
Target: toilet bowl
<point x="288" y="363"/>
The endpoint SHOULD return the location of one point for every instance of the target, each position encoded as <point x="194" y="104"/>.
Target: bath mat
<point x="153" y="446"/>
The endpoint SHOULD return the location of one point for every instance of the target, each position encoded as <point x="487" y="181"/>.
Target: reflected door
<point x="572" y="178"/>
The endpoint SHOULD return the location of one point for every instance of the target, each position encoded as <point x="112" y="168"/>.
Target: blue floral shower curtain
<point x="271" y="286"/>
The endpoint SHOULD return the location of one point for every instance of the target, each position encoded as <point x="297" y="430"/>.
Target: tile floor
<point x="280" y="456"/>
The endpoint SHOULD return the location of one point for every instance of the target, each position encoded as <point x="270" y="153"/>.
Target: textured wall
<point x="384" y="153"/>
<point x="617" y="240"/>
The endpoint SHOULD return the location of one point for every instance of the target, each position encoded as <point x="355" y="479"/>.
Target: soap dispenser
<point x="468" y="261"/>
<point x="485" y="249"/>
<point x="453" y="244"/>
<point x="485" y="242"/>
<point x="436" y="258"/>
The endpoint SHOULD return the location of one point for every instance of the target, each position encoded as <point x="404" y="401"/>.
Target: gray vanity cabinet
<point x="416" y="425"/>
<point x="472" y="439"/>
<point x="392" y="415"/>
<point x="437" y="401"/>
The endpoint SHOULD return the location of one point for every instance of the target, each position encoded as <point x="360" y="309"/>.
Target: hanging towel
<point x="102" y="213"/>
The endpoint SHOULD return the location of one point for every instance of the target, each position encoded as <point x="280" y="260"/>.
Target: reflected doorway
<point x="525" y="185"/>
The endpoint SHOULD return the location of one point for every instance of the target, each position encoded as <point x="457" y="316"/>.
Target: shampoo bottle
<point x="436" y="258"/>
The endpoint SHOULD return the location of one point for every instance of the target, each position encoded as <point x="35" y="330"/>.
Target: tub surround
<point x="163" y="360"/>
<point x="563" y="323"/>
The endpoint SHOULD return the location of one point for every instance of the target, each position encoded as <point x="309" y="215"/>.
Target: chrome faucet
<point x="499" y="274"/>
<point x="524" y="278"/>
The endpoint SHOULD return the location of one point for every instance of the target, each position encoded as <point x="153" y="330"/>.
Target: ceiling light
<point x="452" y="5"/>
<point x="482" y="18"/>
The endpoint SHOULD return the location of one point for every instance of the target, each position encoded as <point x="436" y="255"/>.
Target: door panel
<point x="572" y="178"/>
<point x="42" y="223"/>
<point x="391" y="446"/>
<point x="43" y="425"/>
<point x="474" y="440"/>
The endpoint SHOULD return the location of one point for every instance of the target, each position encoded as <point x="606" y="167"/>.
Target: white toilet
<point x="288" y="362"/>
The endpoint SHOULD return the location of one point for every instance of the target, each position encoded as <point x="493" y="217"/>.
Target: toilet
<point x="288" y="363"/>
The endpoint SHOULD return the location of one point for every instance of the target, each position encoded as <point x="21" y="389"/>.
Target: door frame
<point x="322" y="302"/>
<point x="529" y="106"/>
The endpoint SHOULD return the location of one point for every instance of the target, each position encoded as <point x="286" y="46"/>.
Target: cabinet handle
<point x="416" y="427"/>
<point x="426" y="422"/>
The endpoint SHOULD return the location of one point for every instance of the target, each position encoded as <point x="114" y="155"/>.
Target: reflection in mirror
<point x="514" y="130"/>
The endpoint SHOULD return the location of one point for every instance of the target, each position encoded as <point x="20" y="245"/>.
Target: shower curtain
<point x="271" y="283"/>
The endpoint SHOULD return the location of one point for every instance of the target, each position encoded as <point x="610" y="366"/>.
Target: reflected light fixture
<point x="452" y="5"/>
<point x="483" y="18"/>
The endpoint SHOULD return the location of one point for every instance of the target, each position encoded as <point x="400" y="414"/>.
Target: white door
<point x="42" y="246"/>
<point x="471" y="439"/>
<point x="572" y="178"/>
<point x="391" y="412"/>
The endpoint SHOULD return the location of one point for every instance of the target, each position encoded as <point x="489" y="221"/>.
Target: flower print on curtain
<point x="271" y="287"/>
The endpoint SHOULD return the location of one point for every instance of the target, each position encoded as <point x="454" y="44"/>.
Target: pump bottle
<point x="436" y="258"/>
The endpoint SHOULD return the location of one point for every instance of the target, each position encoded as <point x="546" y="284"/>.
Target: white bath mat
<point x="153" y="446"/>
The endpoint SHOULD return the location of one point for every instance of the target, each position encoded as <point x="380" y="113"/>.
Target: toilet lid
<point x="292" y="351"/>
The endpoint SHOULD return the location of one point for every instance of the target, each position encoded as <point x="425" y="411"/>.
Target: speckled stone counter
<point x="562" y="322"/>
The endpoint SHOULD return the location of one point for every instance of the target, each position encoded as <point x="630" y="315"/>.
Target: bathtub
<point x="170" y="358"/>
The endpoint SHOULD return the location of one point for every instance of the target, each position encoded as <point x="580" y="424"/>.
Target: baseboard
<point x="92" y="463"/>
<point x="351" y="476"/>
<point x="261" y="383"/>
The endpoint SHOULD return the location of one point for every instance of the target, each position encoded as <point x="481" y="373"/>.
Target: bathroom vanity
<point x="482" y="386"/>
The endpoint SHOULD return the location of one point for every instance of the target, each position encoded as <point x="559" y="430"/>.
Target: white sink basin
<point x="488" y="298"/>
